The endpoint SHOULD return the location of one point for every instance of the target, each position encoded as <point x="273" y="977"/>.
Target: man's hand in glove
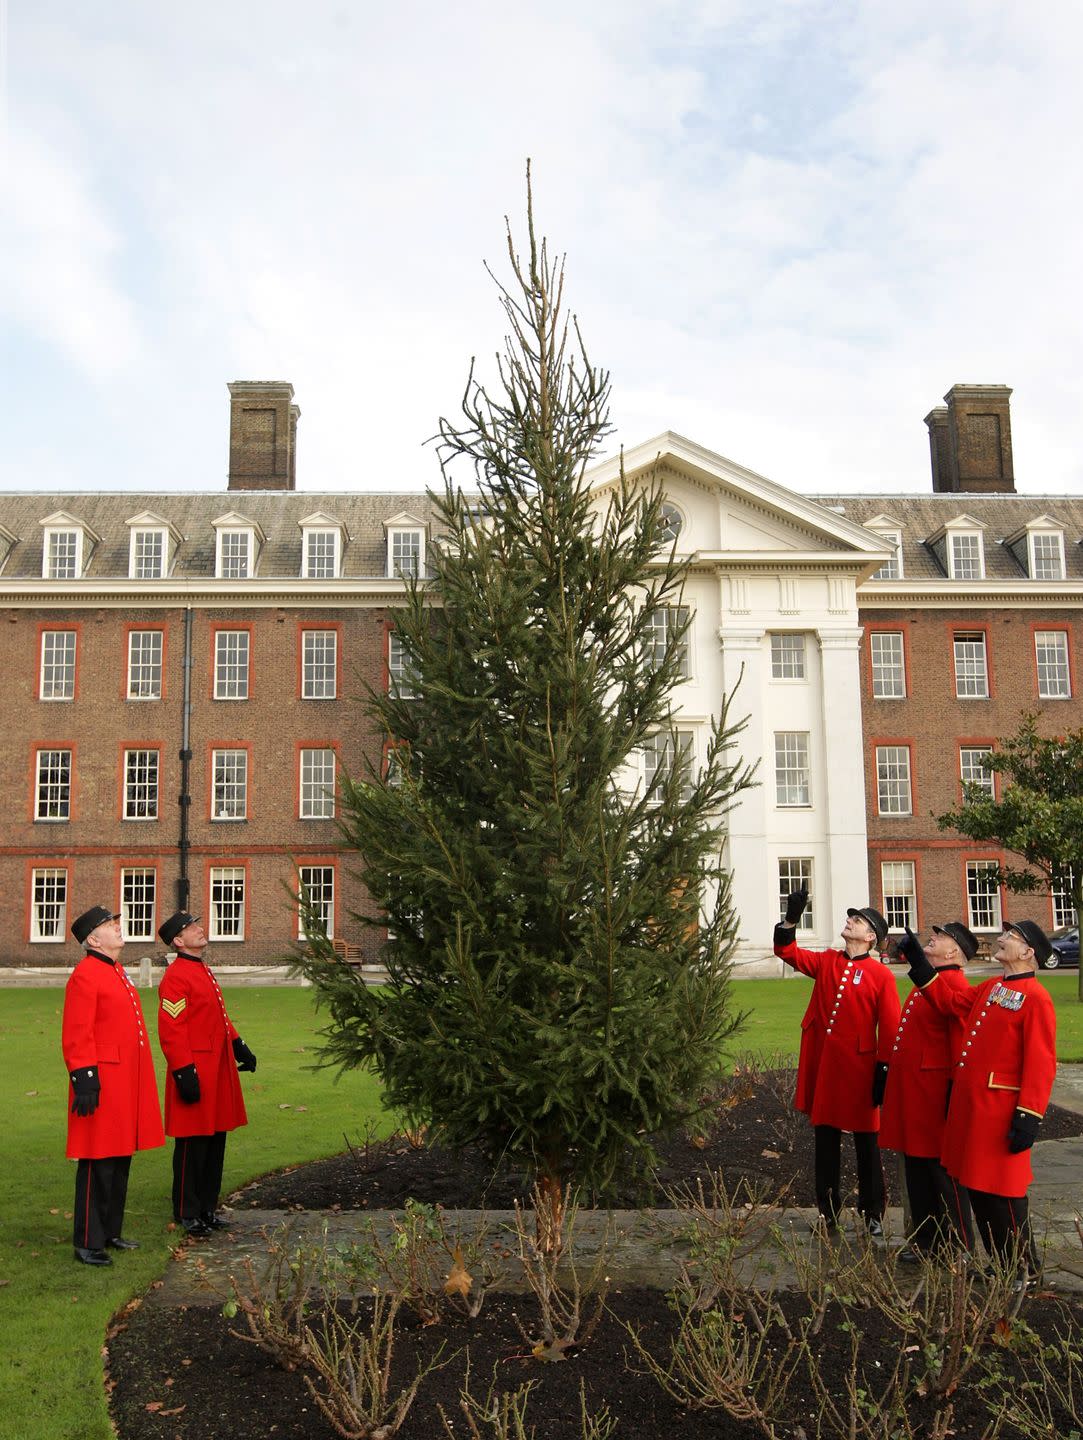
<point x="187" y="1080"/>
<point x="243" y="1056"/>
<point x="87" y="1091"/>
<point x="879" y="1082"/>
<point x="910" y="948"/>
<point x="1023" y="1131"/>
<point x="796" y="903"/>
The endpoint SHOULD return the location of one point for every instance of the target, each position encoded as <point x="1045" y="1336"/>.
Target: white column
<point x="846" y="835"/>
<point x="753" y="884"/>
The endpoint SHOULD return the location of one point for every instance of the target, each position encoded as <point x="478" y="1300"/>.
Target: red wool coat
<point x="103" y="1027"/>
<point x="922" y="1058"/>
<point x="1008" y="1061"/>
<point x="849" y="1025"/>
<point x="193" y="1028"/>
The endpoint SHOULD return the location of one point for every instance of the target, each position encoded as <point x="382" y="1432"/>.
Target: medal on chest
<point x="1005" y="998"/>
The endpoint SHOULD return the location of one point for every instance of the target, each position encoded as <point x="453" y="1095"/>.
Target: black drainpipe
<point x="184" y="799"/>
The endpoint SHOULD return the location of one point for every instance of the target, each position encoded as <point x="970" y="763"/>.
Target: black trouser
<point x="1003" y="1223"/>
<point x="101" y="1190"/>
<point x="939" y="1206"/>
<point x="198" y="1161"/>
<point x="870" y="1172"/>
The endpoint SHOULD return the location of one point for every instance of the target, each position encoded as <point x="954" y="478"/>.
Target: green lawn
<point x="53" y="1313"/>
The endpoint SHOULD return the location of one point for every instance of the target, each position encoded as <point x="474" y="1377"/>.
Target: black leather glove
<point x="879" y="1082"/>
<point x="796" y="902"/>
<point x="1023" y="1131"/>
<point x="187" y="1080"/>
<point x="87" y="1090"/>
<point x="243" y="1056"/>
<point x="910" y="949"/>
<point x="921" y="971"/>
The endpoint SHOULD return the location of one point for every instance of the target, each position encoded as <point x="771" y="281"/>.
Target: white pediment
<point x="234" y="520"/>
<point x="148" y="520"/>
<point x="729" y="508"/>
<point x="405" y="521"/>
<point x="320" y="520"/>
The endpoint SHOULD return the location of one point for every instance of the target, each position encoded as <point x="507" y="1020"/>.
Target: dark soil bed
<point x="186" y="1377"/>
<point x="181" y="1375"/>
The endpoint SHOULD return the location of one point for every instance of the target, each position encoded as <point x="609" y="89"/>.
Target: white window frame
<point x="793" y="770"/>
<point x="978" y="554"/>
<point x="315" y="796"/>
<point x="135" y="541"/>
<point x="789" y="656"/>
<point x="52" y="536"/>
<point x="397" y="535"/>
<point x="891" y="569"/>
<point x="314" y="565"/>
<point x="220" y="877"/>
<point x="888" y="671"/>
<point x="1054" y="673"/>
<point x="224" y="664"/>
<point x="898" y="883"/>
<point x="317" y="686"/>
<point x="665" y="622"/>
<point x="55" y="932"/>
<point x="795" y="871"/>
<point x="142" y="783"/>
<point x="48" y="688"/>
<point x="966" y="668"/>
<point x="229" y="784"/>
<point x="1063" y="908"/>
<point x="975" y="920"/>
<point x="138" y="681"/>
<point x="226" y="552"/>
<point x="659" y="755"/>
<point x="63" y="787"/>
<point x="670" y="523"/>
<point x="327" y="897"/>
<point x="1034" y="562"/>
<point x="971" y="774"/>
<point x="894" y="781"/>
<point x="131" y="878"/>
<point x="402" y="680"/>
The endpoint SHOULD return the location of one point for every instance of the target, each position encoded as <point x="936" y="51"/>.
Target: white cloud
<point x="789" y="228"/>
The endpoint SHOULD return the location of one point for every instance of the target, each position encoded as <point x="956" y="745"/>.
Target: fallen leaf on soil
<point x="31" y="1092"/>
<point x="284" y="1106"/>
<point x="300" y="1107"/>
<point x="770" y="1155"/>
<point x="175" y="1411"/>
<point x="699" y="1141"/>
<point x="459" y="1280"/>
<point x="154" y="1406"/>
<point x="54" y="1210"/>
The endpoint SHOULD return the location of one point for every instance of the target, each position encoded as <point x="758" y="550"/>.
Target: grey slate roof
<point x="277" y="513"/>
<point x="921" y="516"/>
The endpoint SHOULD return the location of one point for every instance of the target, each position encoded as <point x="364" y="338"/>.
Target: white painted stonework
<point x="765" y="561"/>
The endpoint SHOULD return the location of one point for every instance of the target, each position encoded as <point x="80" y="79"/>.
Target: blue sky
<point x="790" y="227"/>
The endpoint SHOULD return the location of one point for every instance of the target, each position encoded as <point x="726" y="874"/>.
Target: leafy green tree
<point x="558" y="975"/>
<point x="1039" y="815"/>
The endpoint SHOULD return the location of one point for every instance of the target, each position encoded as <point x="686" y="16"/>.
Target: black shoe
<point x="213" y="1222"/>
<point x="118" y="1242"/>
<point x="875" y="1228"/>
<point x="196" y="1229"/>
<point x="92" y="1257"/>
<point x="909" y="1256"/>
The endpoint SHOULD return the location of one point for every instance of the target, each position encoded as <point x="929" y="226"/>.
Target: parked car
<point x="1065" y="948"/>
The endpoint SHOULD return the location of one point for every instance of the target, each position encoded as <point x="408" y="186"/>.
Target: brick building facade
<point x="182" y="674"/>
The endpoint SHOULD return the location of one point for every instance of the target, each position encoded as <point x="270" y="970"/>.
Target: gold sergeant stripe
<point x="174" y="1007"/>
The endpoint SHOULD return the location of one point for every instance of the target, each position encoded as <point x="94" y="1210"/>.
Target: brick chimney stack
<point x="970" y="441"/>
<point x="262" y="435"/>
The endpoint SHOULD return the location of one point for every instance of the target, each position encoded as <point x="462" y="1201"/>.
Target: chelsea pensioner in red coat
<point x="203" y="1091"/>
<point x="846" y="1038"/>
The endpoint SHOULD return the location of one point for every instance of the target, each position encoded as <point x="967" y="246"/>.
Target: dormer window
<point x="151" y="545"/>
<point x="66" y="547"/>
<point x="1039" y="548"/>
<point x="405" y="547"/>
<point x="322" y="541"/>
<point x="1047" y="555"/>
<point x="965" y="557"/>
<point x="960" y="548"/>
<point x="890" y="536"/>
<point x="237" y="547"/>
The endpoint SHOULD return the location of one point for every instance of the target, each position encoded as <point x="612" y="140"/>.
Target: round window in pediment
<point x="670" y="523"/>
